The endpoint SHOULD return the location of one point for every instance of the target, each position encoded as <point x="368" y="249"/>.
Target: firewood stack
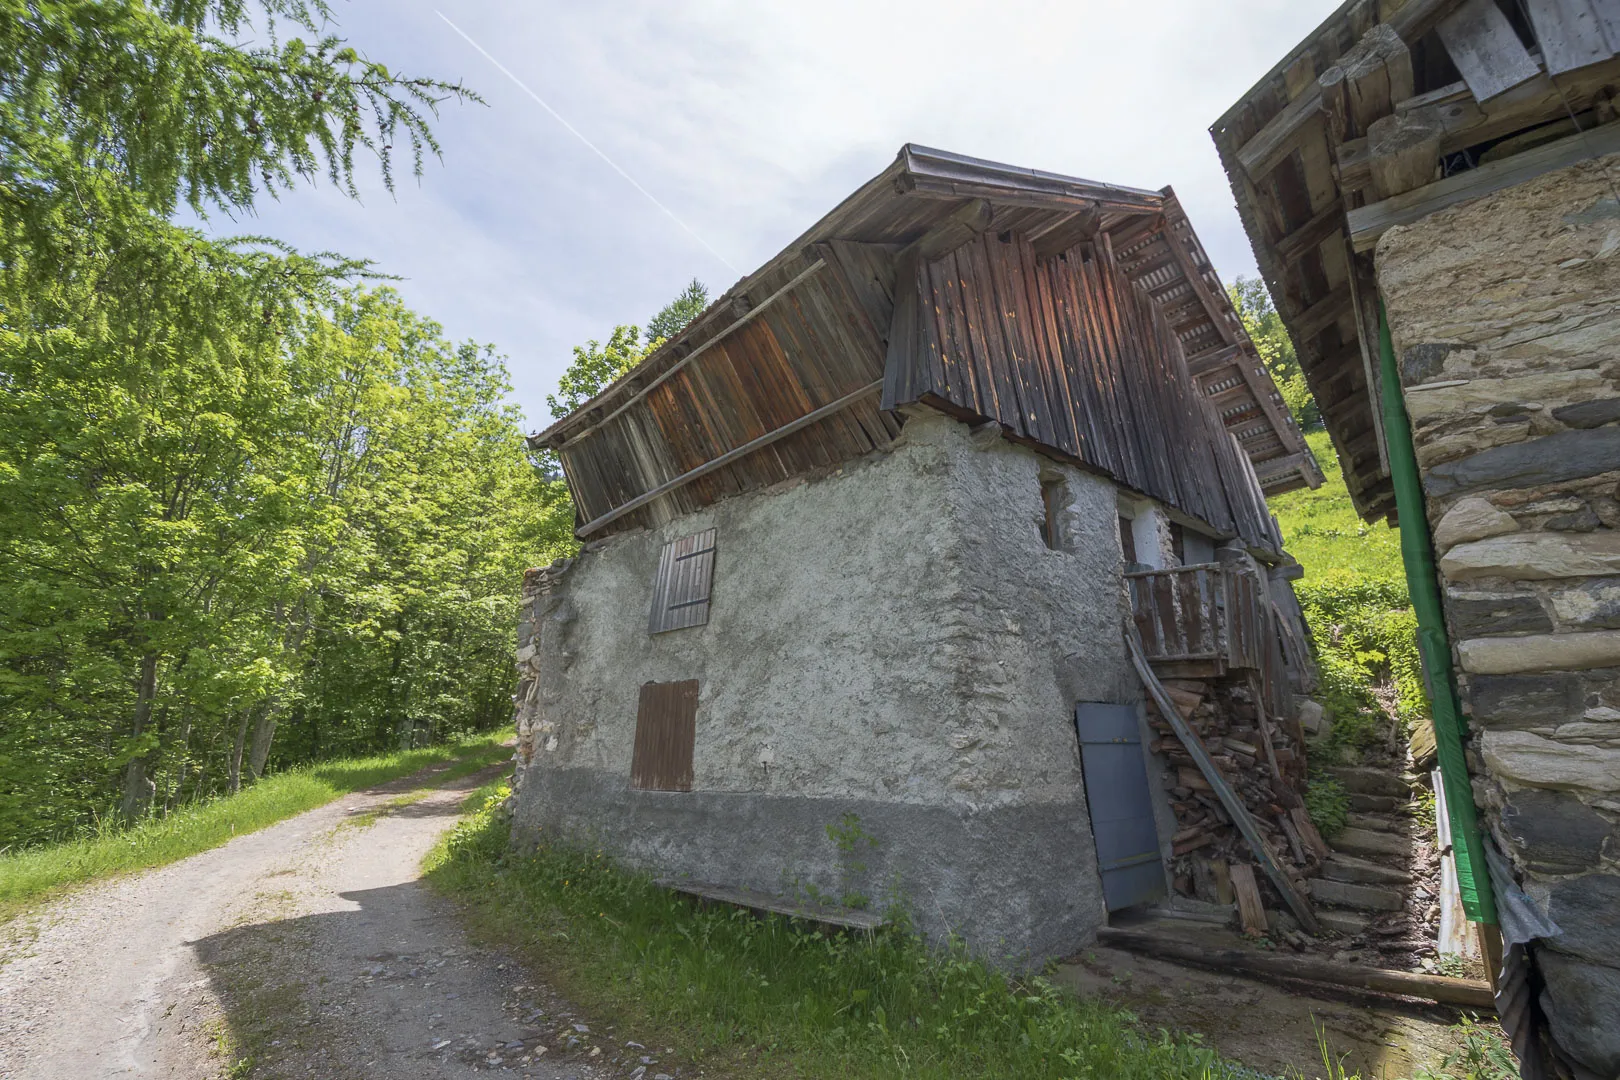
<point x="1226" y="717"/>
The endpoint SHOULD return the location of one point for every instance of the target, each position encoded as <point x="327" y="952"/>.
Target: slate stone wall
<point x="1506" y="318"/>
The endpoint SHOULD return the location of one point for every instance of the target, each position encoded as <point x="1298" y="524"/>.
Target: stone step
<point x="1371" y="843"/>
<point x="1388" y="823"/>
<point x="1342" y="921"/>
<point x="1362" y="897"/>
<point x="1360" y="780"/>
<point x="1376" y="804"/>
<point x="1341" y="867"/>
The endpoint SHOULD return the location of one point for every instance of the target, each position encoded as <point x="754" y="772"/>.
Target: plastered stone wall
<point x="1506" y="318"/>
<point x="893" y="640"/>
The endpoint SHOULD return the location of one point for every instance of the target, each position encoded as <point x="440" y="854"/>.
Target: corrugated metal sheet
<point x="666" y="728"/>
<point x="1121" y="807"/>
<point x="681" y="588"/>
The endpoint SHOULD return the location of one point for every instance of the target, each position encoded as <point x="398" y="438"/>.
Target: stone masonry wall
<point x="892" y="640"/>
<point x="1506" y="318"/>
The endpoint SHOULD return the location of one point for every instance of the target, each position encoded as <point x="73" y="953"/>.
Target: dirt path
<point x="308" y="949"/>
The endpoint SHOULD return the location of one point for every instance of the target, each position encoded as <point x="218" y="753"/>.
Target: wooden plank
<point x="766" y="903"/>
<point x="753" y="313"/>
<point x="1474" y="994"/>
<point x="1233" y="805"/>
<point x="1251" y="911"/>
<point x="727" y="458"/>
<point x="1487" y="52"/>
<point x="1571" y="33"/>
<point x="1370" y="222"/>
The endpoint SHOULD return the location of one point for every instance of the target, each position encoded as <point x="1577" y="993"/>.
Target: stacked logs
<point x="1263" y="762"/>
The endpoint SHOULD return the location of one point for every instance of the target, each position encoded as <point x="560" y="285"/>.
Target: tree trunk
<point x="234" y="783"/>
<point x="264" y="730"/>
<point x="138" y="789"/>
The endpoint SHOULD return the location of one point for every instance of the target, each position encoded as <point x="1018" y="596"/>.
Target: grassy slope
<point x="772" y="997"/>
<point x="1320" y="528"/>
<point x="29" y="876"/>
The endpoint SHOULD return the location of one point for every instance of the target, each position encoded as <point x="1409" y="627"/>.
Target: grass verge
<point x="35" y="874"/>
<point x="731" y="991"/>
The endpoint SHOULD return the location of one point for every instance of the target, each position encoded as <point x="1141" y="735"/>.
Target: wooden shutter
<point x="666" y="727"/>
<point x="681" y="589"/>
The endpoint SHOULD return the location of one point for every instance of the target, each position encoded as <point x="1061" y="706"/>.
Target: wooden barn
<point x="1432" y="189"/>
<point x="862" y="545"/>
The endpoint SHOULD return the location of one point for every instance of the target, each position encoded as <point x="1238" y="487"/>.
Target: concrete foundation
<point x="893" y="640"/>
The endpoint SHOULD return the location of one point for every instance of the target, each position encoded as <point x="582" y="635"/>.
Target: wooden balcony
<point x="1207" y="621"/>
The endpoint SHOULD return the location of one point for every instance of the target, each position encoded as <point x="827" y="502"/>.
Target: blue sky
<point x="749" y="120"/>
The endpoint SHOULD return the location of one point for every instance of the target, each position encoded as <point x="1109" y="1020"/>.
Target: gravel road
<point x="309" y="948"/>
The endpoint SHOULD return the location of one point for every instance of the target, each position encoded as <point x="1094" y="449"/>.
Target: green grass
<point x="34" y="874"/>
<point x="1356" y="604"/>
<point x="1320" y="528"/>
<point x="776" y="997"/>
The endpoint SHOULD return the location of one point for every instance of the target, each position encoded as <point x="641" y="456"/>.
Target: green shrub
<point x="1327" y="804"/>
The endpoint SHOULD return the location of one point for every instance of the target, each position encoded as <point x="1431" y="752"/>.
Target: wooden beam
<point x="1403" y="152"/>
<point x="754" y="313"/>
<point x="1322" y="314"/>
<point x="1471" y="993"/>
<point x="1487" y="52"/>
<point x="1377" y="74"/>
<point x="1309" y="236"/>
<point x="1465" y="123"/>
<point x="1298" y="904"/>
<point x="1277" y="139"/>
<point x="1370" y="222"/>
<point x="727" y="458"/>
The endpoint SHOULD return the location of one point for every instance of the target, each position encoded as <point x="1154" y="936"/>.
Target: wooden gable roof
<point x="780" y="375"/>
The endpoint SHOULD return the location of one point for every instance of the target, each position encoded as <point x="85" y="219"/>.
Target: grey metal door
<point x="1121" y="807"/>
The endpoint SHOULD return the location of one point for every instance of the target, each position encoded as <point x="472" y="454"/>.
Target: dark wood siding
<point x="666" y="728"/>
<point x="681" y="588"/>
<point x="1068" y="353"/>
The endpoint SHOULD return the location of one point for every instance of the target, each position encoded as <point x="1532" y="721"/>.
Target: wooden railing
<point x="1210" y="618"/>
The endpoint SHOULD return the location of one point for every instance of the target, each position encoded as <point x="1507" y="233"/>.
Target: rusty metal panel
<point x="682" y="585"/>
<point x="666" y="729"/>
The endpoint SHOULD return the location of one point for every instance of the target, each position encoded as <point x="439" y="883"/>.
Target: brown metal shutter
<point x="666" y="727"/>
<point x="681" y="589"/>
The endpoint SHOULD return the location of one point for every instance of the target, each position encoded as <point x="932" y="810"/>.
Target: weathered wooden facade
<point x="1432" y="189"/>
<point x="1022" y="279"/>
<point x="894" y="495"/>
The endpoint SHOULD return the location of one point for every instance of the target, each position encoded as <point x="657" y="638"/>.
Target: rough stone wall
<point x="893" y="640"/>
<point x="1506" y="318"/>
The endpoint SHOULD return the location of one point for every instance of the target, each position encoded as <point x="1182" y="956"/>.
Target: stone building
<point x="856" y="551"/>
<point x="1454" y="169"/>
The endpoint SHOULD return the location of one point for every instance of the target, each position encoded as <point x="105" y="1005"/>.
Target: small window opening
<point x="1127" y="540"/>
<point x="1052" y="500"/>
<point x="1178" y="543"/>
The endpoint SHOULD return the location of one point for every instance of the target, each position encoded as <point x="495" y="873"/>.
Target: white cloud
<point x="750" y="120"/>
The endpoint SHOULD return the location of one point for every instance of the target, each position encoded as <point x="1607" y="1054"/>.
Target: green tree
<point x="1271" y="340"/>
<point x="595" y="366"/>
<point x="674" y="316"/>
<point x="239" y="495"/>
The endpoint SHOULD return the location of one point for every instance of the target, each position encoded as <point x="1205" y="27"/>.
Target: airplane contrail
<point x="594" y="148"/>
